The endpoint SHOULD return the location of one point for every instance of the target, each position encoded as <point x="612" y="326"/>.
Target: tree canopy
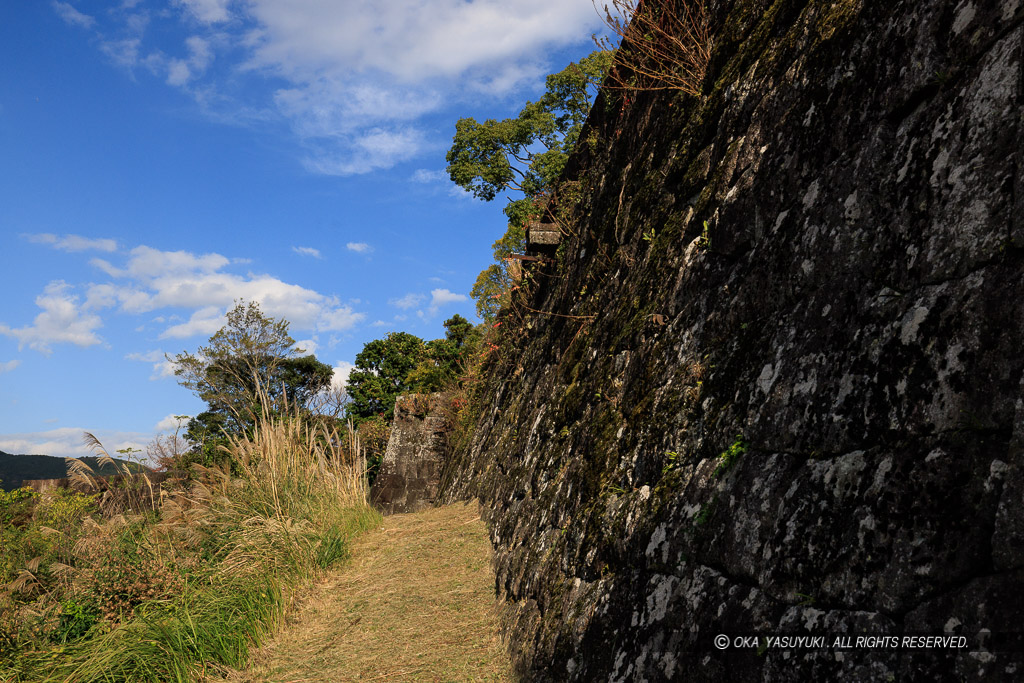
<point x="490" y="290"/>
<point x="403" y="363"/>
<point x="381" y="372"/>
<point x="445" y="359"/>
<point x="248" y="367"/>
<point x="526" y="153"/>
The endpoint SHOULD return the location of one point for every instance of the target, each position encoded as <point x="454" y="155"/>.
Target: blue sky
<point x="162" y="159"/>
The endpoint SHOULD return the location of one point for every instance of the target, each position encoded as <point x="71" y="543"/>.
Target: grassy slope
<point x="416" y="603"/>
<point x="193" y="589"/>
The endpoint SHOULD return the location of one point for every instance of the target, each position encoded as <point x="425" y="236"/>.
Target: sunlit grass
<point x="416" y="603"/>
<point x="236" y="548"/>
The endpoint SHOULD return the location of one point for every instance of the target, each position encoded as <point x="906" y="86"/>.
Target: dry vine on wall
<point x="664" y="44"/>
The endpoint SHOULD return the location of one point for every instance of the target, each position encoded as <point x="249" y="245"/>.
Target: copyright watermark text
<point x="984" y="641"/>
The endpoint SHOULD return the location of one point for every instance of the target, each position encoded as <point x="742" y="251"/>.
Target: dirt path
<point x="415" y="603"/>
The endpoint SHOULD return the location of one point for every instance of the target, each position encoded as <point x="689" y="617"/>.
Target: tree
<point x="380" y="374"/>
<point x="460" y="332"/>
<point x="527" y="153"/>
<point x="402" y="363"/>
<point x="497" y="155"/>
<point x="446" y="358"/>
<point x="249" y="367"/>
<point x="490" y="290"/>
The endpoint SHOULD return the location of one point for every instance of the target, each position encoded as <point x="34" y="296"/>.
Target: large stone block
<point x="411" y="470"/>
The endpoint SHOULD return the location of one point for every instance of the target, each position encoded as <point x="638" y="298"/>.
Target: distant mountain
<point x="16" y="468"/>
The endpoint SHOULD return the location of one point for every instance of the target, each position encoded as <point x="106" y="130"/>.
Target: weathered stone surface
<point x="835" y="273"/>
<point x="411" y="469"/>
<point x="542" y="237"/>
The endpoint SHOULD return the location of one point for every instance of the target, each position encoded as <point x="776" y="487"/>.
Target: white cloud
<point x="340" y="376"/>
<point x="327" y="108"/>
<point x="442" y="297"/>
<point x="9" y="365"/>
<point x="339" y="319"/>
<point x="152" y="264"/>
<point x="359" y="247"/>
<point x="355" y="70"/>
<point x="308" y="346"/>
<point x="106" y="267"/>
<point x="66" y="442"/>
<point x="124" y="53"/>
<point x="425" y="176"/>
<point x="369" y="150"/>
<point x="171" y="423"/>
<point x="73" y="242"/>
<point x="162" y="367"/>
<point x="408" y="301"/>
<point x="207" y="11"/>
<point x="353" y="80"/>
<point x="100" y="296"/>
<point x="72" y="16"/>
<point x="61" y="322"/>
<point x="379" y="323"/>
<point x="411" y="40"/>
<point x="206" y="321"/>
<point x="136" y="23"/>
<point x="508" y="77"/>
<point x="153" y="279"/>
<point x="199" y="53"/>
<point x="181" y="71"/>
<point x="307" y="251"/>
<point x="352" y="127"/>
<point x="178" y="72"/>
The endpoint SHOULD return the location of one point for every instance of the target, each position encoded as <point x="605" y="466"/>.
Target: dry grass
<point x="416" y="603"/>
<point x="190" y="587"/>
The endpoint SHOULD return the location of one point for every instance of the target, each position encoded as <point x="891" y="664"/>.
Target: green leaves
<point x="492" y="285"/>
<point x="380" y="374"/>
<point x="477" y="160"/>
<point x="528" y="152"/>
<point x="248" y="367"/>
<point x="402" y="363"/>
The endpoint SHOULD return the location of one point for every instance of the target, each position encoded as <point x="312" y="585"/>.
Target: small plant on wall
<point x="729" y="456"/>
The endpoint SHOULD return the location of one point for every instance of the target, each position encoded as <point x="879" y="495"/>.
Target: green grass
<point x="189" y="590"/>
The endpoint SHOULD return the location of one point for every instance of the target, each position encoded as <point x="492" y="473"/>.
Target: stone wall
<point x="411" y="469"/>
<point x="777" y="384"/>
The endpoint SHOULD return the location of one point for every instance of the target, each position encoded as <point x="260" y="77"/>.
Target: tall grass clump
<point x="188" y="588"/>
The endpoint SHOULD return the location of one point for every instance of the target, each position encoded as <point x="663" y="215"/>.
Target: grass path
<point x="415" y="603"/>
